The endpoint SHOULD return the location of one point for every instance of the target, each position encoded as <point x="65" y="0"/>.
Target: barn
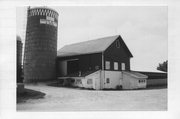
<point x="102" y="63"/>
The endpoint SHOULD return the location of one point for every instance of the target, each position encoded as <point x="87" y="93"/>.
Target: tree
<point x="163" y="66"/>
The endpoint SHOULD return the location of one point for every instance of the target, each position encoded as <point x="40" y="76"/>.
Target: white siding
<point x="95" y="79"/>
<point x="115" y="78"/>
<point x="142" y="84"/>
<point x="130" y="82"/>
<point x="79" y="82"/>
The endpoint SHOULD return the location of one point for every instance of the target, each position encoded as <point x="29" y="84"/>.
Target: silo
<point x="18" y="59"/>
<point x="40" y="44"/>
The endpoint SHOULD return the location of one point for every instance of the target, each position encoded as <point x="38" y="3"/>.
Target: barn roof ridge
<point x="92" y="40"/>
<point x="97" y="45"/>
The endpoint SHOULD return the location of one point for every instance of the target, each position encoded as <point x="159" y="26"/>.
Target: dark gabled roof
<point x="89" y="47"/>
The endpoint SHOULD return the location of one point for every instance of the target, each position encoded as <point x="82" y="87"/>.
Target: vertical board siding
<point x="115" y="54"/>
<point x="87" y="62"/>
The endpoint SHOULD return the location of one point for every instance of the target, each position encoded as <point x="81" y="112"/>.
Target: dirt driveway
<point x="72" y="99"/>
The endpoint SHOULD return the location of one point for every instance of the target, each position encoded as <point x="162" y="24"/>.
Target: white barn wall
<point x="142" y="85"/>
<point x="76" y="84"/>
<point x="102" y="75"/>
<point x="96" y="80"/>
<point x="115" y="79"/>
<point x="130" y="82"/>
<point x="127" y="82"/>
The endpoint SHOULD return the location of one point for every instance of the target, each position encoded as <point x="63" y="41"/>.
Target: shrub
<point x="69" y="82"/>
<point x="61" y="81"/>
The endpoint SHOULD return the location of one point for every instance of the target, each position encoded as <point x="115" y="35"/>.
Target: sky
<point x="144" y="29"/>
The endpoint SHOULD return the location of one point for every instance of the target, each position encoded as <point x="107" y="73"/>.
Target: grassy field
<point x="29" y="94"/>
<point x="74" y="99"/>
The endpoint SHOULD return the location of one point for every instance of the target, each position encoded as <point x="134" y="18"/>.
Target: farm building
<point x="155" y="78"/>
<point x="99" y="64"/>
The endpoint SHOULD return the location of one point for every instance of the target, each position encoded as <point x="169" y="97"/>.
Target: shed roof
<point x="89" y="47"/>
<point x="154" y="75"/>
<point x="135" y="74"/>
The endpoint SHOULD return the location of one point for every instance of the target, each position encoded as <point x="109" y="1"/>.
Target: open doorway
<point x="73" y="66"/>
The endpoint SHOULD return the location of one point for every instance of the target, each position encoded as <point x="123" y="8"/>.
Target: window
<point x="89" y="81"/>
<point x="123" y="67"/>
<point x="117" y="44"/>
<point x="141" y="81"/>
<point x="107" y="80"/>
<point x="115" y="65"/>
<point x="107" y="64"/>
<point x="78" y="81"/>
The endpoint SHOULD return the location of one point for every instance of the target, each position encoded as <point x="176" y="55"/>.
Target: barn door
<point x="72" y="66"/>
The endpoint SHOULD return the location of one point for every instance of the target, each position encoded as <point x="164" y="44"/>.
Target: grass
<point x="29" y="94"/>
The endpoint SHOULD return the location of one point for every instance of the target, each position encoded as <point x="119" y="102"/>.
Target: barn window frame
<point x="123" y="66"/>
<point x="107" y="80"/>
<point x="142" y="81"/>
<point x="89" y="81"/>
<point x="116" y="67"/>
<point x="78" y="81"/>
<point x="108" y="65"/>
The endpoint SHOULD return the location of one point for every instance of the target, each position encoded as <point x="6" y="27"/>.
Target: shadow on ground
<point x="29" y="94"/>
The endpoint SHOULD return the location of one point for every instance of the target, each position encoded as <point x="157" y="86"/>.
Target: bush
<point x="61" y="81"/>
<point x="69" y="82"/>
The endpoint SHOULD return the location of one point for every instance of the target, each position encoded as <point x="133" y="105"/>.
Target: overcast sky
<point x="144" y="29"/>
